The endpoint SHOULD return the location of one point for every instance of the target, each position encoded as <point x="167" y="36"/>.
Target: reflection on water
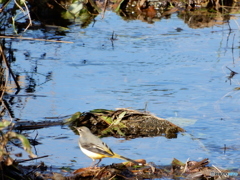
<point x="178" y="74"/>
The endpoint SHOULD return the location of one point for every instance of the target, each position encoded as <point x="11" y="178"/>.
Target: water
<point x="180" y="75"/>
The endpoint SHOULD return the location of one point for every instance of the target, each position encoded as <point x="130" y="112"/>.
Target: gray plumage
<point x="94" y="147"/>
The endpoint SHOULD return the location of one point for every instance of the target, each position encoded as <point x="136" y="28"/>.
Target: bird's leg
<point x="97" y="163"/>
<point x="93" y="164"/>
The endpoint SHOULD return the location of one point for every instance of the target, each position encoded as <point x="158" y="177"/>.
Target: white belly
<point x="92" y="155"/>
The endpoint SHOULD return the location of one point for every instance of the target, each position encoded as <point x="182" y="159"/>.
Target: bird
<point x="95" y="148"/>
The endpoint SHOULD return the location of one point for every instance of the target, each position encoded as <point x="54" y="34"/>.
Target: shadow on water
<point x="56" y="14"/>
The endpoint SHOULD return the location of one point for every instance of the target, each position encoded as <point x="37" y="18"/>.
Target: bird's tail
<point x="124" y="158"/>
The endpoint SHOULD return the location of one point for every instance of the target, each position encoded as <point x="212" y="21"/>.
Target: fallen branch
<point x="25" y="160"/>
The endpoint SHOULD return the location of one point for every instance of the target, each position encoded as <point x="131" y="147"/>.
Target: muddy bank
<point x="190" y="170"/>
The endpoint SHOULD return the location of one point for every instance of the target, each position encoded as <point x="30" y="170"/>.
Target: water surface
<point x="180" y="75"/>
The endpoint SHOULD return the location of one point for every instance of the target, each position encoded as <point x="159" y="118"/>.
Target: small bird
<point x="95" y="148"/>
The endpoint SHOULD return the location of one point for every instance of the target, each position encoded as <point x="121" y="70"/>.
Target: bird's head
<point x="82" y="129"/>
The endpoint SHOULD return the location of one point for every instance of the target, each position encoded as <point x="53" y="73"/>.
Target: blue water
<point x="180" y="75"/>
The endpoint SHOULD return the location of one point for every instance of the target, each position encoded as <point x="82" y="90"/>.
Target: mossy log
<point x="125" y="123"/>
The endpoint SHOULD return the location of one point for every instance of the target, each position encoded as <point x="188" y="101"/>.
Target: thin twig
<point x="233" y="48"/>
<point x="25" y="160"/>
<point x="19" y="6"/>
<point x="25" y="12"/>
<point x="104" y="9"/>
<point x="9" y="68"/>
<point x="4" y="5"/>
<point x="113" y="177"/>
<point x="113" y="38"/>
<point x="8" y="109"/>
<point x="29" y="17"/>
<point x="185" y="167"/>
<point x="232" y="74"/>
<point x="101" y="170"/>
<point x="6" y="80"/>
<point x="34" y="39"/>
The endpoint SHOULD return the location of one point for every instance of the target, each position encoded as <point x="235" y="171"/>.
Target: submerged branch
<point x="34" y="39"/>
<point x="25" y="160"/>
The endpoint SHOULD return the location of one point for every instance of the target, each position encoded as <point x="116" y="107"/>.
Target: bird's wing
<point x="99" y="149"/>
